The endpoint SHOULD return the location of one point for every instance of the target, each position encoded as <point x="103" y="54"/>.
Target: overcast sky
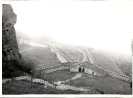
<point x="101" y="24"/>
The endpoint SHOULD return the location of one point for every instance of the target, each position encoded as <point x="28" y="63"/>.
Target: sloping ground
<point x="43" y="57"/>
<point x="126" y="67"/>
<point x="24" y="87"/>
<point x="105" y="62"/>
<point x="107" y="85"/>
<point x="23" y="47"/>
<point x="94" y="68"/>
<point x="89" y="66"/>
<point x="60" y="75"/>
<point x="72" y="53"/>
<point x="114" y="61"/>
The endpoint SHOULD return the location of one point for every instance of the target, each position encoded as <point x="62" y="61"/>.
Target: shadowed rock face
<point x="132" y="47"/>
<point x="10" y="52"/>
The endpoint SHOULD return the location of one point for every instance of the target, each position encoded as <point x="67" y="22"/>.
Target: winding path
<point x="66" y="59"/>
<point x="84" y="58"/>
<point x="78" y="75"/>
<point x="90" y="57"/>
<point x="117" y="66"/>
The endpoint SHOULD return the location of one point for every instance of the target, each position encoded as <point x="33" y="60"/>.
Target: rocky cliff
<point x="132" y="47"/>
<point x="10" y="52"/>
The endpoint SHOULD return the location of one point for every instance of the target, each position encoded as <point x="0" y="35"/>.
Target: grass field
<point x="24" y="87"/>
<point x="107" y="84"/>
<point x="126" y="67"/>
<point x="42" y="57"/>
<point x="60" y="75"/>
<point x="103" y="60"/>
<point x="72" y="53"/>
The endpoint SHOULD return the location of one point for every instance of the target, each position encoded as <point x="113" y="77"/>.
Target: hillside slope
<point x="72" y="53"/>
<point x="42" y="57"/>
<point x="112" y="61"/>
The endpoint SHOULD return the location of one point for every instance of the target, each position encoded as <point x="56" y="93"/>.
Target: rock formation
<point x="10" y="51"/>
<point x="132" y="47"/>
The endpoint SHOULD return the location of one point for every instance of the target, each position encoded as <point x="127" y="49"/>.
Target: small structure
<point x="86" y="67"/>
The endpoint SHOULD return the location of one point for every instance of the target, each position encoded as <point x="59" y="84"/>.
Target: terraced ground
<point x="72" y="53"/>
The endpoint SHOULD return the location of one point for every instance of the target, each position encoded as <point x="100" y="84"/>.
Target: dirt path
<point x="78" y="75"/>
<point x="117" y="66"/>
<point x="60" y="55"/>
<point x="84" y="58"/>
<point x="91" y="59"/>
<point x="62" y="86"/>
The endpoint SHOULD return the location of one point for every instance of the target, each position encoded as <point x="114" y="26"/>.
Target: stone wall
<point x="116" y="75"/>
<point x="119" y="76"/>
<point x="52" y="85"/>
<point x="87" y="67"/>
<point x="86" y="70"/>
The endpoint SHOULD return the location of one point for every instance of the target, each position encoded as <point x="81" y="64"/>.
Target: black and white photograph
<point x="67" y="47"/>
<point x="68" y="97"/>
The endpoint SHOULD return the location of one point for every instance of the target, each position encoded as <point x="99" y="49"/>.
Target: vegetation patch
<point x="42" y="57"/>
<point x="60" y="75"/>
<point x="124" y="66"/>
<point x="107" y="85"/>
<point x="71" y="53"/>
<point x="24" y="87"/>
<point x="105" y="62"/>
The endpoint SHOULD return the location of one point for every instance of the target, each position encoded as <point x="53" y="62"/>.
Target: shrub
<point x="26" y="65"/>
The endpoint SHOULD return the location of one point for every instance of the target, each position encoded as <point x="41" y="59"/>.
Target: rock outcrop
<point x="10" y="51"/>
<point x="132" y="47"/>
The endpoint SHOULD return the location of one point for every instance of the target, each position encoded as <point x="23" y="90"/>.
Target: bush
<point x="11" y="70"/>
<point x="27" y="65"/>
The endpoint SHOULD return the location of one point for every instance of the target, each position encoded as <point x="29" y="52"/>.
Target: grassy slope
<point x="24" y="87"/>
<point x="43" y="57"/>
<point x="59" y="76"/>
<point x="105" y="84"/>
<point x="71" y="53"/>
<point x="104" y="62"/>
<point x="103" y="59"/>
<point x="126" y="67"/>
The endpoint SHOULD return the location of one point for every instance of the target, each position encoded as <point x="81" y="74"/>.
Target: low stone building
<point x="86" y="67"/>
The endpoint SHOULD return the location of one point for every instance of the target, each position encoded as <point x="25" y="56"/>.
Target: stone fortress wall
<point x="67" y="65"/>
<point x="52" y="85"/>
<point x="117" y="75"/>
